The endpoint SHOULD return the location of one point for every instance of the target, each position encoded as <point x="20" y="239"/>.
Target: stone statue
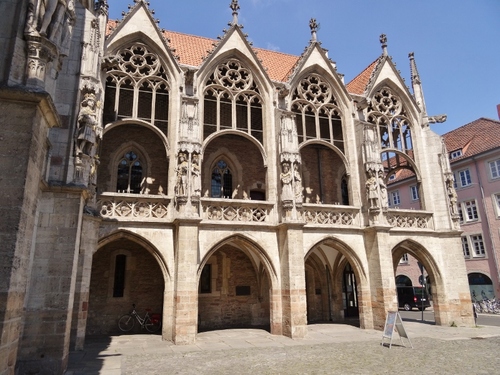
<point x="87" y="125"/>
<point x="383" y="189"/>
<point x="182" y="170"/>
<point x="286" y="183"/>
<point x="371" y="189"/>
<point x="297" y="181"/>
<point x="452" y="194"/>
<point x="195" y="175"/>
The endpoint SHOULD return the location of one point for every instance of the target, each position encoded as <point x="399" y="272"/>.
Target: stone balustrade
<point x="236" y="210"/>
<point x="331" y="215"/>
<point x="410" y="219"/>
<point x="133" y="207"/>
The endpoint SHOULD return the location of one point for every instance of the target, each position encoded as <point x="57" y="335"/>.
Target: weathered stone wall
<point x="223" y="308"/>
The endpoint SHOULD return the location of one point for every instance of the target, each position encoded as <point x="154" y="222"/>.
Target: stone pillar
<point x="44" y="347"/>
<point x="186" y="282"/>
<point x="382" y="282"/>
<point x="88" y="246"/>
<point x="25" y="119"/>
<point x="293" y="288"/>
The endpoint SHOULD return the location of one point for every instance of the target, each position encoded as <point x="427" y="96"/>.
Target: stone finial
<point x="102" y="7"/>
<point x="383" y="42"/>
<point x="235" y="7"/>
<point x="313" y="25"/>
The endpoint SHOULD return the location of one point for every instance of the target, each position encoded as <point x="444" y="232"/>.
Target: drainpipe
<point x="488" y="224"/>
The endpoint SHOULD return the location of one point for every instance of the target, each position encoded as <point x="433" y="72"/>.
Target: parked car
<point x="410" y="297"/>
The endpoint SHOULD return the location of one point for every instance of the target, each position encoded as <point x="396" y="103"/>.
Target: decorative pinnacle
<point x="383" y="42"/>
<point x="314" y="26"/>
<point x="234" y="7"/>
<point x="415" y="77"/>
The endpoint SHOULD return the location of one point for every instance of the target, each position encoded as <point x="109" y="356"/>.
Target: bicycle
<point x="151" y="323"/>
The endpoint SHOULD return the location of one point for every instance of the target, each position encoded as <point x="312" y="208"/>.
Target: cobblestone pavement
<point x="327" y="349"/>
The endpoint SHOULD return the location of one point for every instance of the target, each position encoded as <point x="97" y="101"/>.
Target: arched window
<point x="318" y="115"/>
<point x="232" y="101"/>
<point x="129" y="176"/>
<point x="137" y="87"/>
<point x="222" y="181"/>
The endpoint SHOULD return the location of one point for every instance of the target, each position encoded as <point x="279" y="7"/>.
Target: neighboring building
<point x="474" y="153"/>
<point x="237" y="187"/>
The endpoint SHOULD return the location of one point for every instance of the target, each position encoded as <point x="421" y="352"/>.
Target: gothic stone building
<point x="238" y="187"/>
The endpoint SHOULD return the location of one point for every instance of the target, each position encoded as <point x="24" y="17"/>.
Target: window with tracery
<point x="222" y="181"/>
<point x="136" y="86"/>
<point x="388" y="113"/>
<point x="232" y="101"/>
<point x="318" y="115"/>
<point x="129" y="172"/>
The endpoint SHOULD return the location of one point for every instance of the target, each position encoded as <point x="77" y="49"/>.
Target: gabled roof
<point x="474" y="138"/>
<point x="359" y="84"/>
<point x="191" y="50"/>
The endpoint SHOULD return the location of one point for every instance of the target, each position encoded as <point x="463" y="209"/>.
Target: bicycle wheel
<point x="152" y="325"/>
<point x="126" y="323"/>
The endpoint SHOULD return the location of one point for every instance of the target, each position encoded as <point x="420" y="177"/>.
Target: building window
<point x="137" y="86"/>
<point x="460" y="213"/>
<point x="119" y="279"/>
<point x="496" y="202"/>
<point x="495" y="168"/>
<point x="404" y="259"/>
<point x="414" y="193"/>
<point x="395" y="199"/>
<point x="129" y="177"/>
<point x="470" y="210"/>
<point x="478" y="245"/>
<point x="463" y="179"/>
<point x="222" y="181"/>
<point x="455" y="154"/>
<point x="465" y="247"/>
<point x="392" y="177"/>
<point x="317" y="113"/>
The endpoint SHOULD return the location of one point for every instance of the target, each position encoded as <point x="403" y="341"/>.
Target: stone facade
<point x="221" y="192"/>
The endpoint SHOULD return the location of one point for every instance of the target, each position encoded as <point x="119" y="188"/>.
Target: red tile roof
<point x="473" y="138"/>
<point x="358" y="84"/>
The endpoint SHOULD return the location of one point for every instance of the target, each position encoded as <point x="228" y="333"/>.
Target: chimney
<point x="498" y="111"/>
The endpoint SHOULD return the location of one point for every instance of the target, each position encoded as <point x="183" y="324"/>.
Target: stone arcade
<point x="237" y="187"/>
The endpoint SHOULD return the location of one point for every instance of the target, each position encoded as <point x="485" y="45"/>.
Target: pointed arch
<point x="419" y="252"/>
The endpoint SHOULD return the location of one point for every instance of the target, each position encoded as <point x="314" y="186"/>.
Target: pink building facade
<point x="474" y="156"/>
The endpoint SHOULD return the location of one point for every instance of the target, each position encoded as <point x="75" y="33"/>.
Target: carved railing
<point x="237" y="210"/>
<point x="133" y="207"/>
<point x="410" y="219"/>
<point x="322" y="214"/>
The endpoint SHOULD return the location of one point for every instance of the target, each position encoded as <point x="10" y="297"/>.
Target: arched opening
<point x="333" y="286"/>
<point x="402" y="280"/>
<point x="234" y="290"/>
<point x="123" y="273"/>
<point x="481" y="286"/>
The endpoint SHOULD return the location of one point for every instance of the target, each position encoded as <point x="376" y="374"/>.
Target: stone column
<point x="381" y="280"/>
<point x="186" y="282"/>
<point x="50" y="296"/>
<point x="293" y="288"/>
<point x="88" y="246"/>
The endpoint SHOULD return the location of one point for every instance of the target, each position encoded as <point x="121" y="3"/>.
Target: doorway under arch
<point x="123" y="273"/>
<point x="234" y="290"/>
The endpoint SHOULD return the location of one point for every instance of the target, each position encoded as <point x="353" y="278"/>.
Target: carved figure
<point x="383" y="190"/>
<point x="196" y="175"/>
<point x="286" y="183"/>
<point x="87" y="125"/>
<point x="182" y="170"/>
<point x="452" y="195"/>
<point x="52" y="16"/>
<point x="297" y="181"/>
<point x="371" y="190"/>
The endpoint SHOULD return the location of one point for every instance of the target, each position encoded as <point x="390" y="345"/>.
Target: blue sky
<point x="456" y="42"/>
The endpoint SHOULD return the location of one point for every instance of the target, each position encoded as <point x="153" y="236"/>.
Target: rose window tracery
<point x="233" y="101"/>
<point x="318" y="114"/>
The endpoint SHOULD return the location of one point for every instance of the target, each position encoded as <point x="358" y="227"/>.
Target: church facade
<point x="217" y="184"/>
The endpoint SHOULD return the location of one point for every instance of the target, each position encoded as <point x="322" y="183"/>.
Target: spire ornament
<point x="235" y="7"/>
<point x="383" y="42"/>
<point x="314" y="26"/>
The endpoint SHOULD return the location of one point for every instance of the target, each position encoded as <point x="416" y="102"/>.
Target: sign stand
<point x="394" y="322"/>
